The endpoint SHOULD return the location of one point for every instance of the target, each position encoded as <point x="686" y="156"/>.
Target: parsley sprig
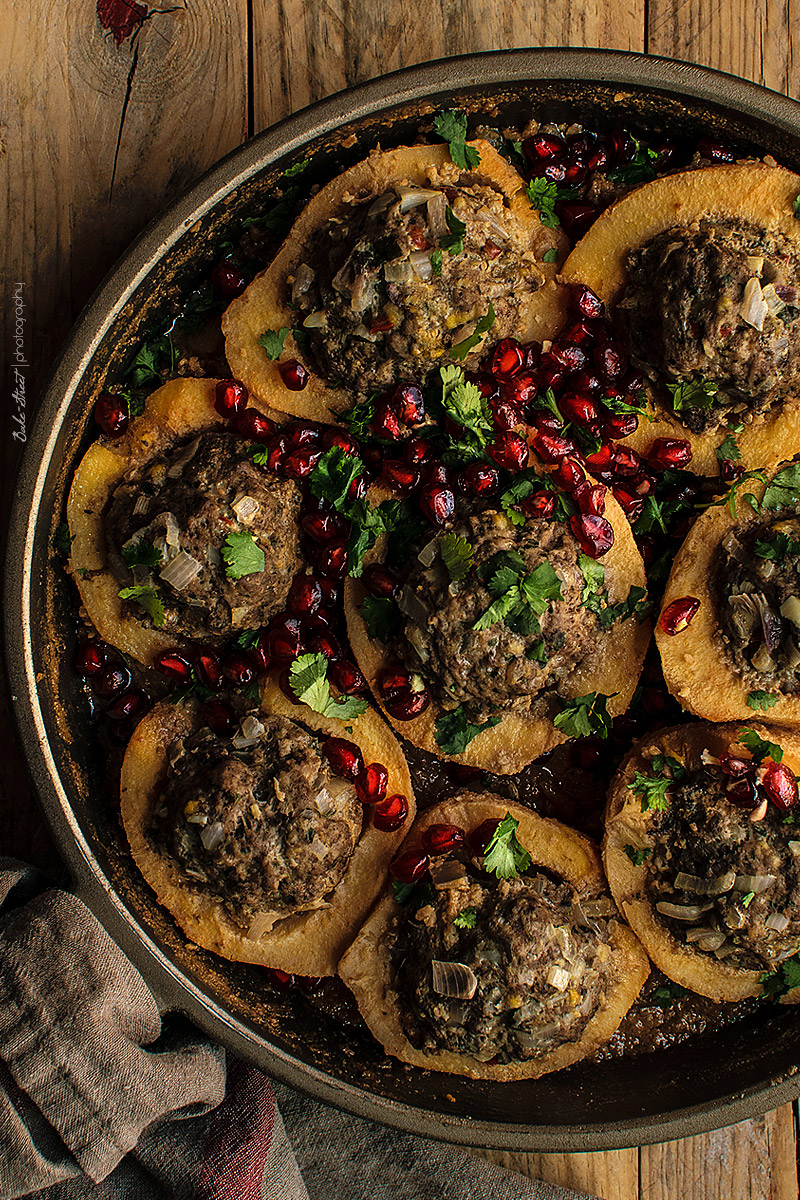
<point x="584" y="716"/>
<point x="504" y="856"/>
<point x="148" y="599"/>
<point x="653" y="788"/>
<point x="451" y="126"/>
<point x="308" y="679"/>
<point x="759" y="748"/>
<point x="242" y="556"/>
<point x="272" y="340"/>
<point x="693" y="393"/>
<point x="456" y="554"/>
<point x="454" y="731"/>
<point x="461" y="349"/>
<point x="466" y="407"/>
<point x="519" y="598"/>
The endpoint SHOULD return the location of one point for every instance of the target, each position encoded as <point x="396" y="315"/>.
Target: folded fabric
<point x="100" y="1097"/>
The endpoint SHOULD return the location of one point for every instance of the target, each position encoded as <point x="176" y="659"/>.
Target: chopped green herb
<point x="62" y="539"/>
<point x="637" y="857"/>
<point x="456" y="555"/>
<point x="461" y="349"/>
<point x="550" y="256"/>
<point x="796" y="207"/>
<point x="296" y="168"/>
<point x="333" y="475"/>
<point x="453" y="242"/>
<point x="781" y="981"/>
<point x="436" y="262"/>
<point x="381" y="617"/>
<point x="652" y="789"/>
<point x="584" y="716"/>
<point x="514" y="592"/>
<point x="259" y="454"/>
<point x="777" y="548"/>
<point x="248" y="638"/>
<point x="761" y="701"/>
<point x="692" y="393"/>
<point x="413" y="895"/>
<point x="731" y="498"/>
<point x="151" y="359"/>
<point x="465" y="919"/>
<point x="142" y="554"/>
<point x="504" y="856"/>
<point x="664" y="995"/>
<point x="453" y="732"/>
<point x="639" y="170"/>
<point x="783" y="491"/>
<point x="308" y="679"/>
<point x="242" y="556"/>
<point x="451" y="126"/>
<point x="359" y="419"/>
<point x="464" y="404"/>
<point x="272" y="340"/>
<point x="543" y="195"/>
<point x="758" y="747"/>
<point x="728" y="450"/>
<point x="747" y="899"/>
<point x="548" y="401"/>
<point x="149" y="600"/>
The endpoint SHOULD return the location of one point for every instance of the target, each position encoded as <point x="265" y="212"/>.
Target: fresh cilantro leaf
<point x="381" y="617"/>
<point x="272" y="340"/>
<point x="728" y="450"/>
<point x="359" y="419"/>
<point x="436" y="262"/>
<point x="652" y="789"/>
<point x="637" y="857"/>
<point x="663" y="996"/>
<point x="785" y="978"/>
<point x="550" y="256"/>
<point x="639" y="170"/>
<point x="504" y="856"/>
<point x="465" y="919"/>
<point x="151" y="359"/>
<point x="584" y="716"/>
<point x="731" y="498"/>
<point x="796" y="207"/>
<point x="693" y="393"/>
<point x="242" y="556"/>
<point x="280" y="215"/>
<point x="367" y="524"/>
<point x="499" y="609"/>
<point x="537" y="652"/>
<point x="453" y="732"/>
<point x="543" y="195"/>
<point x="547" y="400"/>
<point x="62" y="539"/>
<point x="783" y="490"/>
<point x="333" y="475"/>
<point x="541" y="587"/>
<point x="456" y="555"/>
<point x="461" y="349"/>
<point x="296" y="168"/>
<point x="758" y="747"/>
<point x="308" y="679"/>
<point x="259" y="454"/>
<point x="594" y="574"/>
<point x="451" y="126"/>
<point x="651" y="516"/>
<point x="142" y="554"/>
<point x="453" y="242"/>
<point x="464" y="404"/>
<point x="413" y="895"/>
<point x="247" y="639"/>
<point x="502" y="571"/>
<point x="761" y="701"/>
<point x="777" y="548"/>
<point x="149" y="600"/>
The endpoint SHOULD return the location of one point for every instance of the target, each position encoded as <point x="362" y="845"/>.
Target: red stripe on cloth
<point x="240" y="1137"/>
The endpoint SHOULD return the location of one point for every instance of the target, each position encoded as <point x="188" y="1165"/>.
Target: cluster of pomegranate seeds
<point x="404" y="696"/>
<point x="750" y="784"/>
<point x="678" y="615"/>
<point x="111" y="682"/>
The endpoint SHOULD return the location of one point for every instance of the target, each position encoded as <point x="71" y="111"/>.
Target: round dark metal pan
<point x="707" y="1081"/>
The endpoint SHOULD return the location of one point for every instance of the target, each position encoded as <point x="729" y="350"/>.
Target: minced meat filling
<point x="515" y="657"/>
<point x="536" y="970"/>
<point x="167" y="527"/>
<point x="757" y="585"/>
<point x="738" y="897"/>
<point x="388" y="288"/>
<point x="716" y="302"/>
<point x="266" y="827"/>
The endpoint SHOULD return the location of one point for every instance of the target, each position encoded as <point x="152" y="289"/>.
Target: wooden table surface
<point x="96" y="137"/>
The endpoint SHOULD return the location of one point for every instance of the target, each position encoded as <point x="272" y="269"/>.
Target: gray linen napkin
<point x="101" y="1098"/>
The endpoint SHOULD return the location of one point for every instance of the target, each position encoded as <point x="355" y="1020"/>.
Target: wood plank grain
<point x="305" y="50"/>
<point x="607" y="1175"/>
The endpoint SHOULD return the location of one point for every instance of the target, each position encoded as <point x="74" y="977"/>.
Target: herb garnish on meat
<point x="504" y="856"/>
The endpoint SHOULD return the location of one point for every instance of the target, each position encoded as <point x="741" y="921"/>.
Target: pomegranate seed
<point x="626" y="462"/>
<point x="551" y="376"/>
<point x="480" y="837"/>
<point x="381" y="323"/>
<point x="299" y="464"/>
<point x="112" y="680"/>
<point x="669" y="452"/>
<point x="416" y="451"/>
<point x="520" y="390"/>
<point x="715" y="151"/>
<point x="379" y="580"/>
<point x="780" y="784"/>
<point x="330" y="591"/>
<point x="552" y="170"/>
<point x="401" y="476"/>
<point x="386" y="423"/>
<point x="539" y="506"/>
<point x="409" y="866"/>
<point x="591" y="499"/>
<point x="509" y="450"/>
<point x="579" y="409"/>
<point x="325" y="643"/>
<point x="408" y="401"/>
<point x="303" y="434"/>
<point x="293" y="374"/>
<point x="230" y="397"/>
<point x="601" y="459"/>
<point x="620" y="425"/>
<point x="585" y="381"/>
<point x="571" y="358"/>
<point x="320" y="621"/>
<point x="505" y="414"/>
<point x="337" y="437"/>
<point x="664" y="152"/>
<point x="331" y="560"/>
<point x="371" y="783"/>
<point x="323" y="527"/>
<point x="276" y="452"/>
<point x="285" y="684"/>
<point x="552" y="448"/>
<point x="394" y="682"/>
<point x="594" y="534"/>
<point x="507" y="359"/>
<point x="731" y="471"/>
<point x="576" y="218"/>
<point x="346" y="676"/>
<point x="623" y="147"/>
<point x="111" y="414"/>
<point x="441" y="839"/>
<point x="735" y="767"/>
<point x="390" y="814"/>
<point x="543" y="146"/>
<point x="546" y="422"/>
<point x="481" y="480"/>
<point x="642" y="484"/>
<point x="435" y="472"/>
<point x="438" y="504"/>
<point x="743" y="793"/>
<point x="285" y="643"/>
<point x="172" y="664"/>
<point x="344" y="757"/>
<point x="586" y="302"/>
<point x="574" y="170"/>
<point x="251" y="423"/>
<point x="209" y="669"/>
<point x="89" y="659"/>
<point x="597" y="159"/>
<point x="631" y="505"/>
<point x="237" y="667"/>
<point x="305" y="596"/>
<point x="406" y="708"/>
<point x="125" y="707"/>
<point x="219" y="717"/>
<point x="611" y="361"/>
<point x="568" y="474"/>
<point x="281" y="981"/>
<point x="678" y="615"/>
<point x="228" y="280"/>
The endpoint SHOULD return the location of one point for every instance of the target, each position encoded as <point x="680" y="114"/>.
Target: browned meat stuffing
<point x="757" y="585"/>
<point x="264" y="826"/>
<point x="177" y="514"/>
<point x="715" y="302"/>
<point x="516" y="656"/>
<point x="531" y="971"/>
<point x="395" y="283"/>
<point x="726" y="884"/>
